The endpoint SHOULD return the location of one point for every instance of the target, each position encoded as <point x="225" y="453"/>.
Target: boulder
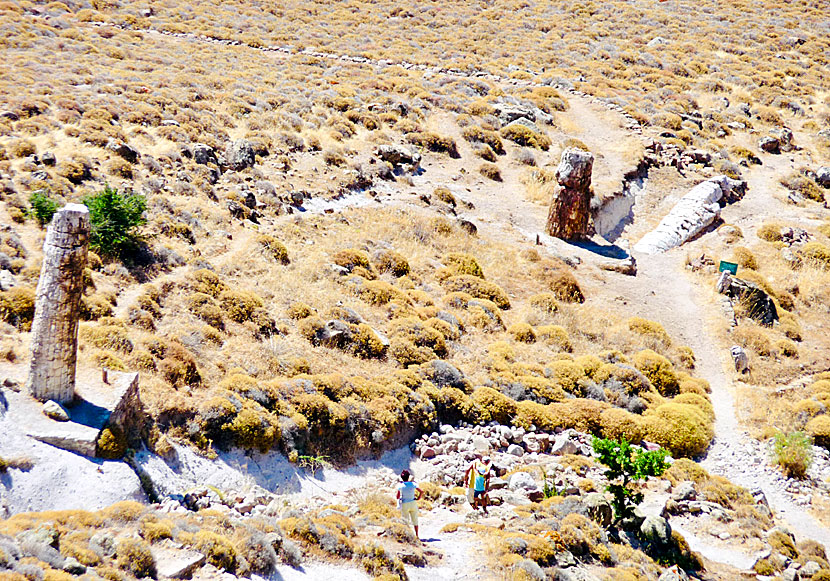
<point x="54" y="410"/>
<point x="656" y="529"/>
<point x="515" y="450"/>
<point x="398" y="155"/>
<point x="521" y="481"/>
<point x="674" y="573"/>
<point x="204" y="154"/>
<point x="684" y="491"/>
<point x="48" y="158"/>
<point x="563" y="445"/>
<point x="759" y="304"/>
<point x="175" y="563"/>
<point x="240" y="154"/>
<point x="599" y="509"/>
<point x="123" y="150"/>
<point x="481" y="444"/>
<point x="570" y="207"/>
<point x="443" y="374"/>
<point x="7" y="280"/>
<point x="770" y="145"/>
<point x="823" y="176"/>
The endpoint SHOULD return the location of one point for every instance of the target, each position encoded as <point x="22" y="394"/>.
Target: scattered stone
<point x="48" y="158"/>
<point x="128" y="152"/>
<point x="52" y="409"/>
<point x="521" y="481"/>
<point x="515" y="450"/>
<point x="176" y="563"/>
<point x="73" y="567"/>
<point x="468" y="227"/>
<point x="740" y="358"/>
<point x="562" y="445"/>
<point x="443" y="374"/>
<point x="823" y="176"/>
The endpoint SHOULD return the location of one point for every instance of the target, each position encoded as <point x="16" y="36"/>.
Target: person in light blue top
<point x="408" y="495"/>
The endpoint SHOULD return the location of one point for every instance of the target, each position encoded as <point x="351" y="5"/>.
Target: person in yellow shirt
<point x="477" y="478"/>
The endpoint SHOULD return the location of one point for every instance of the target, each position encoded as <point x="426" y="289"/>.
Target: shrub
<point x="351" y="259"/>
<point x="487" y="405"/>
<point x="17" y="307"/>
<point x="463" y="263"/>
<point x="658" y="370"/>
<point x="618" y="424"/>
<point x="366" y="343"/>
<point x="239" y="305"/>
<point x="744" y="258"/>
<point x="152" y="531"/>
<point x="115" y="219"/>
<point x="135" y="556"/>
<point x="111" y="334"/>
<point x="545" y="302"/>
<point x="817" y="253"/>
<point x="770" y="232"/>
<point x="434" y="142"/>
<point x="793" y="453"/>
<point x="562" y="283"/>
<point x="819" y="429"/>
<point x="491" y="171"/>
<point x="112" y="443"/>
<point x="650" y="329"/>
<point x="478" y="288"/>
<point x="627" y="465"/>
<point x="522" y="332"/>
<point x="218" y="550"/>
<point x="804" y="185"/>
<point x="274" y="248"/>
<point x="380" y="292"/>
<point x="681" y="428"/>
<point x="253" y="428"/>
<point x="445" y="195"/>
<point x="392" y="262"/>
<point x="555" y="336"/>
<point x="42" y="207"/>
<point x="475" y="134"/>
<point x="299" y="311"/>
<point x="525" y="136"/>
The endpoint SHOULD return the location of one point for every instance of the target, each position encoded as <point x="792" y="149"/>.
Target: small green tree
<point x="115" y="220"/>
<point x="42" y="207"/>
<point x="793" y="453"/>
<point x="627" y="465"/>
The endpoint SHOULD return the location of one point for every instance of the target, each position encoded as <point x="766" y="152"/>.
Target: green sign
<point x="730" y="266"/>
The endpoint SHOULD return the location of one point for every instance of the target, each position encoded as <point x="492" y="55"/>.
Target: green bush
<point x="522" y="332"/>
<point x="627" y="465"/>
<point x="487" y="404"/>
<point x="254" y="428"/>
<point x="239" y="305"/>
<point x="112" y="443"/>
<point x="392" y="262"/>
<point x="462" y="263"/>
<point x="274" y="248"/>
<point x="42" y="207"/>
<point x="793" y="453"/>
<point x="115" y="219"/>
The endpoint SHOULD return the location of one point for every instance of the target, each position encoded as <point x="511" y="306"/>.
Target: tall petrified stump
<point x="570" y="208"/>
<point x="57" y="306"/>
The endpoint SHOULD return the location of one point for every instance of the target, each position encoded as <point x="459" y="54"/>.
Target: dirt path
<point x="662" y="291"/>
<point x="463" y="556"/>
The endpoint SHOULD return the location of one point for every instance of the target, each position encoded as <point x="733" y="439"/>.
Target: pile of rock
<point x="448" y="453"/>
<point x="254" y="502"/>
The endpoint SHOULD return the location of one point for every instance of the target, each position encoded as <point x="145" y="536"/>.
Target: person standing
<point x="408" y="495"/>
<point x="478" y="479"/>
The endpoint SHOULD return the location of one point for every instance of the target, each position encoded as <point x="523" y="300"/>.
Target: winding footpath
<point x="663" y="292"/>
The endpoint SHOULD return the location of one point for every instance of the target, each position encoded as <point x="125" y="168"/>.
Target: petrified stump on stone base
<point x="570" y="209"/>
<point x="57" y="306"/>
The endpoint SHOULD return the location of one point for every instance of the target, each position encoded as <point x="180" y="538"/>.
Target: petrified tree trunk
<point x="57" y="306"/>
<point x="570" y="207"/>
